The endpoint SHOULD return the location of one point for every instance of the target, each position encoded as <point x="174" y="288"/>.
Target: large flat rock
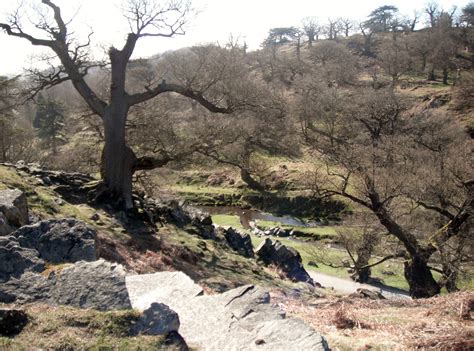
<point x="239" y="319"/>
<point x="145" y="289"/>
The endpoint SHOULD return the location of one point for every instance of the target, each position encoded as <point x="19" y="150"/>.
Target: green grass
<point x="66" y="328"/>
<point x="305" y="248"/>
<point x="227" y="221"/>
<point x="198" y="189"/>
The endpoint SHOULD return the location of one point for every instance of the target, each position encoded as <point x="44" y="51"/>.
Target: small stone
<point x="367" y="294"/>
<point x="46" y="180"/>
<point x="259" y="342"/>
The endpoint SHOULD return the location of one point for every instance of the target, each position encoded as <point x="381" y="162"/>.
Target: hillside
<point x="145" y="248"/>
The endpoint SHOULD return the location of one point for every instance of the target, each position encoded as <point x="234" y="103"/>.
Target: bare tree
<point x="412" y="22"/>
<point x="335" y="62"/>
<point x="432" y="10"/>
<point x="312" y="29"/>
<point x="332" y="29"/>
<point x="375" y="157"/>
<point x="394" y="58"/>
<point x="347" y="25"/>
<point x="146" y="18"/>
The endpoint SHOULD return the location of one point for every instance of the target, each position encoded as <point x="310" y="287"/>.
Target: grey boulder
<point x="284" y="257"/>
<point x="30" y="287"/>
<point x="14" y="206"/>
<point x="15" y="259"/>
<point x="158" y="319"/>
<point x="59" y="240"/>
<point x="99" y="285"/>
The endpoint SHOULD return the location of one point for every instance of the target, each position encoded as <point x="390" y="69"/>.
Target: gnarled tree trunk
<point x="118" y="159"/>
<point x="250" y="181"/>
<point x="420" y="279"/>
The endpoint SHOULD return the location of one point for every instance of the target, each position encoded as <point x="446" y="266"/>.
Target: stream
<point x="247" y="216"/>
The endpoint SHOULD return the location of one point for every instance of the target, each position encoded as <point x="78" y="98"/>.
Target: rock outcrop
<point x="284" y="257"/>
<point x="240" y="242"/>
<point x="15" y="259"/>
<point x="13" y="210"/>
<point x="99" y="285"/>
<point x="240" y="319"/>
<point x="59" y="240"/>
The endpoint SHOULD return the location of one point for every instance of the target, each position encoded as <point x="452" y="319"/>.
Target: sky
<point x="215" y="21"/>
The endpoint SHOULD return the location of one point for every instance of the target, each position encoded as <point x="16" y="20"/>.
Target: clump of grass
<point x="345" y="319"/>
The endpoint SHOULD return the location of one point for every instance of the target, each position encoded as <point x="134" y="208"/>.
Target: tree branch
<point x="61" y="47"/>
<point x="440" y="210"/>
<point x="165" y="87"/>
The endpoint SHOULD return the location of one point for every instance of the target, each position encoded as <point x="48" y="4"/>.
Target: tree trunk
<point x="364" y="253"/>
<point x="420" y="279"/>
<point x="431" y="75"/>
<point x="450" y="276"/>
<point x="252" y="183"/>
<point x="445" y="75"/>
<point x="361" y="272"/>
<point x="361" y="275"/>
<point x="117" y="159"/>
<point x="2" y="140"/>
<point x="423" y="63"/>
<point x="298" y="49"/>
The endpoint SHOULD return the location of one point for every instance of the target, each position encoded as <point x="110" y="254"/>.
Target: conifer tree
<point x="49" y="122"/>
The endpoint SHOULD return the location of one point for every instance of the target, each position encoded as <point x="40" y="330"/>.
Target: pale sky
<point x="216" y="21"/>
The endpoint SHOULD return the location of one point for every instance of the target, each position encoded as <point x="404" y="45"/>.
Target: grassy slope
<point x="65" y="328"/>
<point x="147" y="249"/>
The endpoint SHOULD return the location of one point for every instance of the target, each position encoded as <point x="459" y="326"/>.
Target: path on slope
<point x="345" y="286"/>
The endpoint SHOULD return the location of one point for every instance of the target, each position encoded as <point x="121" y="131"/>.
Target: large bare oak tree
<point x="146" y="18"/>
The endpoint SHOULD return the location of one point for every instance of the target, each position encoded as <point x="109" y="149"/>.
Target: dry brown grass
<point x="360" y="324"/>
